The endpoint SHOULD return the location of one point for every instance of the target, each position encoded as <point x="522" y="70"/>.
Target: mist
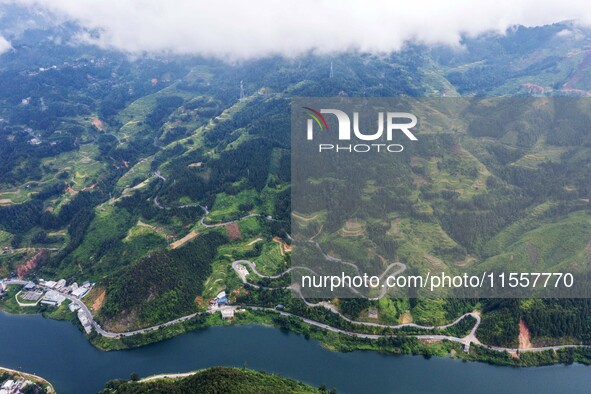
<point x="233" y="30"/>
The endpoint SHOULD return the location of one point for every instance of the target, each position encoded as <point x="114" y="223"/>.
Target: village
<point x="51" y="293"/>
<point x="54" y="293"/>
<point x="15" y="382"/>
<point x="12" y="386"/>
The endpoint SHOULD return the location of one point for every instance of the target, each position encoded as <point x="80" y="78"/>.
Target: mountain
<point x="114" y="170"/>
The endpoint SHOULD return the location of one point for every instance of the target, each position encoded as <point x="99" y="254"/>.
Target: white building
<point x="53" y="298"/>
<point x="227" y="313"/>
<point x="50" y="283"/>
<point x="80" y="292"/>
<point x="221" y="294"/>
<point x="84" y="321"/>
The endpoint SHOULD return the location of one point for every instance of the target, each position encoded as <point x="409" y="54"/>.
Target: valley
<point x="163" y="184"/>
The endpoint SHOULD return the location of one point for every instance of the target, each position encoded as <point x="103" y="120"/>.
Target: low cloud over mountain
<point x="232" y="29"/>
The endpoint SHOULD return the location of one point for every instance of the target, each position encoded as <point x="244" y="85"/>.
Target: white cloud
<point x="4" y="45"/>
<point x="241" y="29"/>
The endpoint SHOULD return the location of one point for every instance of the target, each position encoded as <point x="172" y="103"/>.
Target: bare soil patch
<point x="283" y="247"/>
<point x="233" y="231"/>
<point x="254" y="241"/>
<point x="29" y="265"/>
<point x="524" y="336"/>
<point x="96" y="122"/>
<point x="184" y="240"/>
<point x="406" y="318"/>
<point x="98" y="302"/>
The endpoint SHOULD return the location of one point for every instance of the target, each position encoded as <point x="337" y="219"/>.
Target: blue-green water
<point x="58" y="352"/>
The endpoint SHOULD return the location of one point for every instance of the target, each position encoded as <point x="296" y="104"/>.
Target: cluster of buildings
<point x="82" y="317"/>
<point x="86" y="324"/>
<point x="56" y="296"/>
<point x="220" y="303"/>
<point x="55" y="293"/>
<point x="14" y="386"/>
<point x="79" y="63"/>
<point x="62" y="287"/>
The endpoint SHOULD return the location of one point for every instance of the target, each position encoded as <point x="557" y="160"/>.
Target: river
<point x="59" y="352"/>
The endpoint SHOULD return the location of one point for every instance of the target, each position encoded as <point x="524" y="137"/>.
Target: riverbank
<point x="30" y="379"/>
<point x="336" y="340"/>
<point x="335" y="331"/>
<point x="323" y="319"/>
<point x="60" y="352"/>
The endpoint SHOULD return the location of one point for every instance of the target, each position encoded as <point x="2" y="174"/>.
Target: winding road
<point x="239" y="267"/>
<point x="465" y="341"/>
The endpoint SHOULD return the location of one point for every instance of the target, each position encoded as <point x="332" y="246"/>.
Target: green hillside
<point x="216" y="380"/>
<point x="132" y="153"/>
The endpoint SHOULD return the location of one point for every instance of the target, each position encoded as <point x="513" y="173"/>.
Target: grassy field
<point x="135" y="114"/>
<point x="140" y="171"/>
<point x="109" y="223"/>
<point x="541" y="153"/>
<point x="460" y="172"/>
<point x="271" y="261"/>
<point x="227" y="207"/>
<point x="562" y="245"/>
<point x="4" y="238"/>
<point x="503" y="240"/>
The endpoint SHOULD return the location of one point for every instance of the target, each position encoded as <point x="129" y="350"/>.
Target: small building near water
<point x="84" y="321"/>
<point x="227" y="313"/>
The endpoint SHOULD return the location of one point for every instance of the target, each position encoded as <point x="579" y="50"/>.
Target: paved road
<point x="466" y="341"/>
<point x="375" y="336"/>
<point x="252" y="215"/>
<point x="97" y="327"/>
<point x="236" y="265"/>
<point x="168" y="376"/>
